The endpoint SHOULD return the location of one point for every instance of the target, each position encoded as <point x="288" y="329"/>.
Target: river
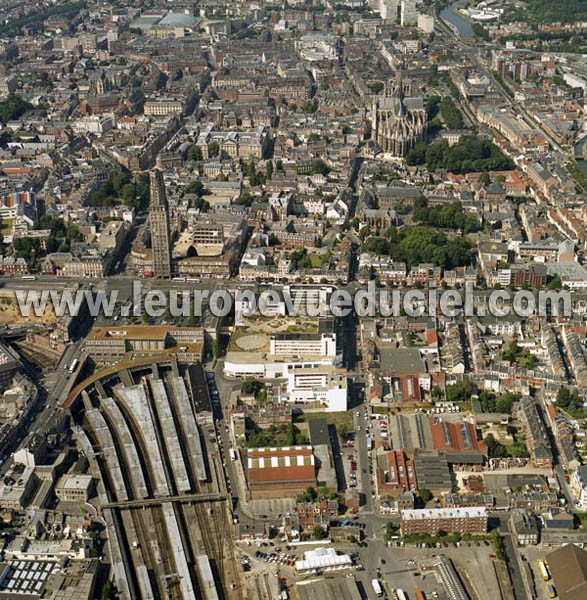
<point x="450" y="15"/>
<point x="580" y="153"/>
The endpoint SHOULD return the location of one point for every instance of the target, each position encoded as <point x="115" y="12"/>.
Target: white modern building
<point x="408" y="13"/>
<point x="264" y="366"/>
<point x="388" y="10"/>
<point x="323" y="385"/>
<point x="426" y="23"/>
<point x="286" y="344"/>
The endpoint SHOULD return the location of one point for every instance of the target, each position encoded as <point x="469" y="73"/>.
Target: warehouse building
<point x="280" y="472"/>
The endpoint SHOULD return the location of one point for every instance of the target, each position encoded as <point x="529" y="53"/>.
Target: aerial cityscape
<point x="293" y="300"/>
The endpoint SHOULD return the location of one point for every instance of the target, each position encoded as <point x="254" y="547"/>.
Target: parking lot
<point x="407" y="568"/>
<point x="533" y="554"/>
<point x="380" y="430"/>
<point x="349" y="461"/>
<point x="278" y="558"/>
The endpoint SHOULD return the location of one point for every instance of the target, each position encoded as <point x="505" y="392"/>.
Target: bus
<point x="377" y="588"/>
<point x="29" y="277"/>
<point x="543" y="570"/>
<point x="420" y="594"/>
<point x="551" y="591"/>
<point x="74" y="365"/>
<point x="400" y="594"/>
<point x="233" y="454"/>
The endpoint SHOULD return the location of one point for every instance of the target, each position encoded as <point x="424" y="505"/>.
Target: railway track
<point x="204" y="524"/>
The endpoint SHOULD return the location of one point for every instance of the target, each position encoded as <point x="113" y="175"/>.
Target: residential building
<point x="524" y="527"/>
<point x="452" y="520"/>
<point x="580" y="484"/>
<point x="395" y="474"/>
<point x="74" y="488"/>
<point x="536" y="434"/>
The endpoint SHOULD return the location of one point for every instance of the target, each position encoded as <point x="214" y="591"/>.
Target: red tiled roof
<point x="450" y="436"/>
<point x="281" y="465"/>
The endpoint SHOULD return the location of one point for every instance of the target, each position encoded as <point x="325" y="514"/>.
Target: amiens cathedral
<point x="398" y="122"/>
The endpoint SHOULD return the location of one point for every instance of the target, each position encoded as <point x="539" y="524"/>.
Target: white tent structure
<point x="325" y="559"/>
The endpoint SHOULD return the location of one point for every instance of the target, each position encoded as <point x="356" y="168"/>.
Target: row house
<point x="10" y="265"/>
<point x="536" y="434"/>
<point x="311" y="514"/>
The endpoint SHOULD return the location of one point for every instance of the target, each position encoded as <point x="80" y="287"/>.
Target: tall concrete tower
<point x="160" y="231"/>
<point x="408" y="13"/>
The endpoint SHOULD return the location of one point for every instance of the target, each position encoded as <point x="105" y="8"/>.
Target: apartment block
<point x="452" y="520"/>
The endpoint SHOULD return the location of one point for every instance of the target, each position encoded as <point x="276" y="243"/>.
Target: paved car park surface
<point x="533" y="554"/>
<point x="404" y="568"/>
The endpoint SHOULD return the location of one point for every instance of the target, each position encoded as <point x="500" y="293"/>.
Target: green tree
<point x="390" y="532"/>
<point x="555" y="283"/>
<point x="484" y="178"/>
<point x="195" y="153"/>
<point x="195" y="187"/>
<point x="13" y="107"/>
<point x="250" y="386"/>
<point x="495" y="449"/>
<point x="245" y="198"/>
<point x="461" y="391"/>
<point x="426" y="495"/>
<point x="450" y="114"/>
<point x="108" y="591"/>
<point x="213" y="149"/>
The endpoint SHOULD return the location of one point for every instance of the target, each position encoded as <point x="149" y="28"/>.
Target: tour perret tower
<point x="159" y="223"/>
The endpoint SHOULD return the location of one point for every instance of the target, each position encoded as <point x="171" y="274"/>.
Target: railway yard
<point x="163" y="492"/>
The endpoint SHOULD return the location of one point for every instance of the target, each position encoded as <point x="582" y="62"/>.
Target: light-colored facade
<point x="321" y="385"/>
<point x="300" y="345"/>
<point x="161" y="107"/>
<point x="74" y="488"/>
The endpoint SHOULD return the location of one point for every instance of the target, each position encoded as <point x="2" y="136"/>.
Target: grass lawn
<point x="333" y="418"/>
<point x="6" y="226"/>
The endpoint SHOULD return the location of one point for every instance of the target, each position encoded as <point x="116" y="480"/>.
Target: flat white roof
<point x="444" y="513"/>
